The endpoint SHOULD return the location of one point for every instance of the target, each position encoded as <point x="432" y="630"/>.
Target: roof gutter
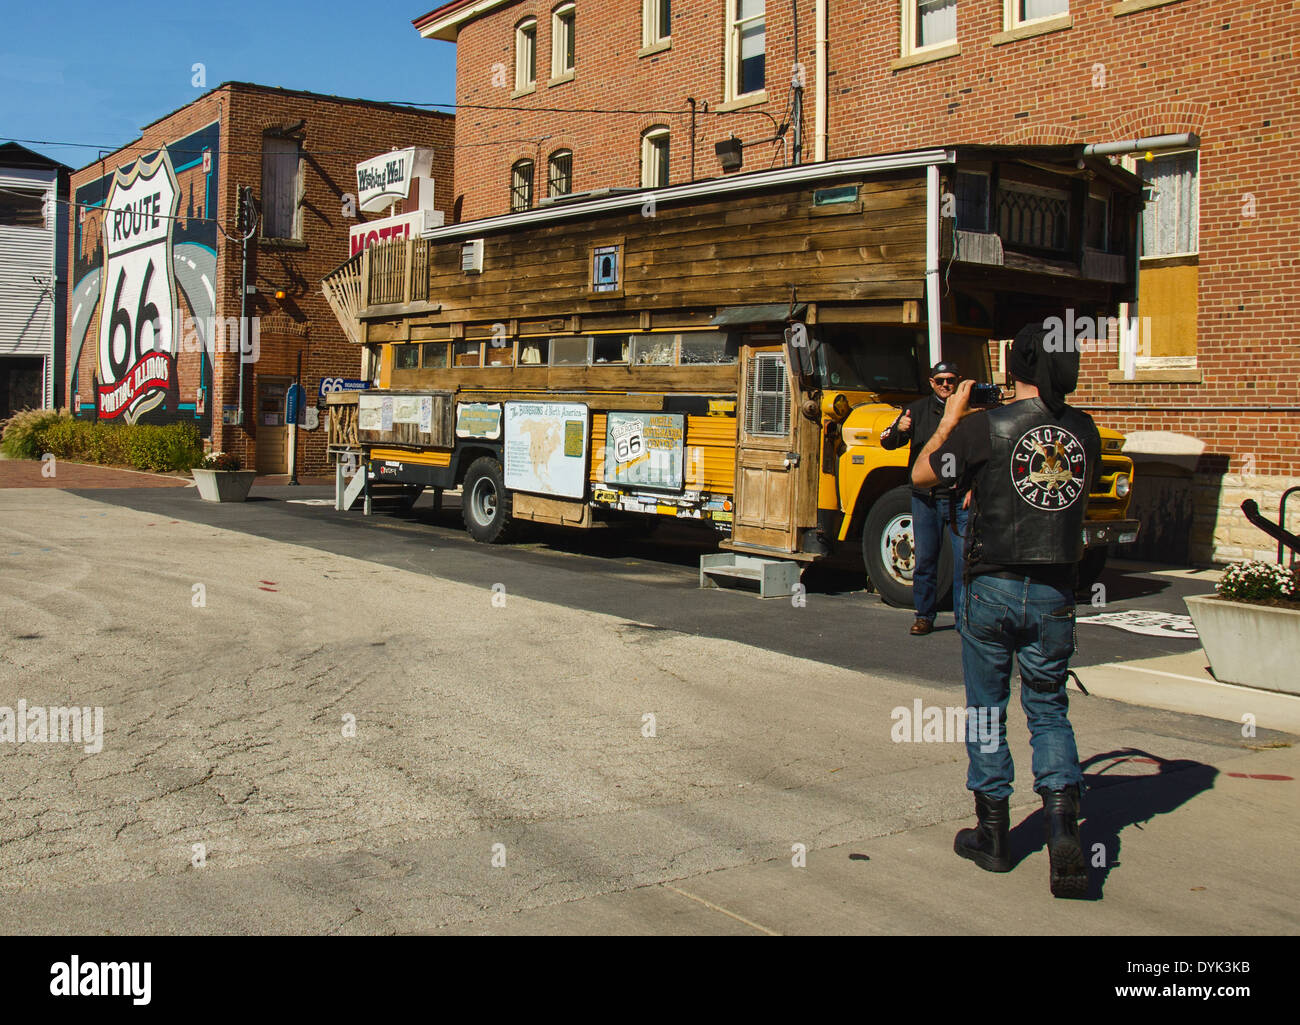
<point x="697" y="190"/>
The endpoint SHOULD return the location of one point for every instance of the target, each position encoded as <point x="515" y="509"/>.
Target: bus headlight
<point x="1122" y="485"/>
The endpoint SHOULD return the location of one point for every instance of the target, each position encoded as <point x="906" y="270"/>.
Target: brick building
<point x="162" y="213"/>
<point x="595" y="93"/>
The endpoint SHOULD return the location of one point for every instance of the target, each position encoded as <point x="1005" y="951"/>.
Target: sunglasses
<point x="950" y="382"/>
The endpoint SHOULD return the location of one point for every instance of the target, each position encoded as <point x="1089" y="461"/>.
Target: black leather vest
<point x="1031" y="495"/>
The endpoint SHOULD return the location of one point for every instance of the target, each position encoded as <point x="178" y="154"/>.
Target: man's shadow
<point x="1113" y="802"/>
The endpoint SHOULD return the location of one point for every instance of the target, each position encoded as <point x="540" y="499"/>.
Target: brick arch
<point x="1164" y="118"/>
<point x="281" y="324"/>
<point x="1041" y="135"/>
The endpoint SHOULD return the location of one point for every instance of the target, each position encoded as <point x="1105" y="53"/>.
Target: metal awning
<point x="772" y="313"/>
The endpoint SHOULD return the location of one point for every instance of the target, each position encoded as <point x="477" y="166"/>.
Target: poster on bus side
<point x="644" y="450"/>
<point x="546" y="448"/>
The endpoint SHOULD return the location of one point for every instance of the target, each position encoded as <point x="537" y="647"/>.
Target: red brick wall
<point x="337" y="135"/>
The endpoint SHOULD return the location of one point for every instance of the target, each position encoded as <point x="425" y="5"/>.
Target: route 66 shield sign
<point x="138" y="291"/>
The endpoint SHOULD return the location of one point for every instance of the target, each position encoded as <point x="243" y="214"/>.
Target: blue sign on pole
<point x="293" y="404"/>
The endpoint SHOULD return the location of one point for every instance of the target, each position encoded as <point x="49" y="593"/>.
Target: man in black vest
<point x="1033" y="463"/>
<point x="930" y="506"/>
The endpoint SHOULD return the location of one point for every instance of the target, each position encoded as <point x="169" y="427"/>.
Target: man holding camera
<point x="931" y="507"/>
<point x="1033" y="463"/>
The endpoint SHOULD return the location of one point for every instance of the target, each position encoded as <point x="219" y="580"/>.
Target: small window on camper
<point x="1095" y="220"/>
<point x="467" y="354"/>
<point x="653" y="350"/>
<point x="434" y="355"/>
<point x="500" y="355"/>
<point x="534" y="352"/>
<point x="701" y="347"/>
<point x="407" y="357"/>
<point x="972" y="201"/>
<point x="610" y="349"/>
<point x="570" y="352"/>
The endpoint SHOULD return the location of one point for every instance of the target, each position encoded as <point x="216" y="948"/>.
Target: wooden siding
<point x="739" y="250"/>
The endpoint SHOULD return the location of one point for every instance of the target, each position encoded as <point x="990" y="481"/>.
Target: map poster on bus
<point x="546" y="448"/>
<point x="645" y="449"/>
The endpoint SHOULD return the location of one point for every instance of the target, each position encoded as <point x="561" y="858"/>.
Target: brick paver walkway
<point x="26" y="473"/>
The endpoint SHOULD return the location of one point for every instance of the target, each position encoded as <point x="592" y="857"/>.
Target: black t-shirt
<point x="926" y="413"/>
<point x="966" y="450"/>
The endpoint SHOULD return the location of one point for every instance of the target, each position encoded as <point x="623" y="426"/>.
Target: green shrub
<point x="24" y="432"/>
<point x="1259" y="581"/>
<point x="150" y="447"/>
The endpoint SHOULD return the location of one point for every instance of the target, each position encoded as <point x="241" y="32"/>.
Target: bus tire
<point x="889" y="551"/>
<point x="485" y="502"/>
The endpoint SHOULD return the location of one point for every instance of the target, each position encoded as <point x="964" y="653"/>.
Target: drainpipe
<point x="932" y="261"/>
<point x="1188" y="140"/>
<point x="819" y="117"/>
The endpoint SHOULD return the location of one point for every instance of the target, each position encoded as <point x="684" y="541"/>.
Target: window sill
<point x="748" y="100"/>
<point x="524" y="92"/>
<point x="281" y="243"/>
<point x="1133" y="6"/>
<point x="1167" y="375"/>
<point x="560" y="79"/>
<point x="1034" y="28"/>
<point x="659" y="46"/>
<point x="939" y="53"/>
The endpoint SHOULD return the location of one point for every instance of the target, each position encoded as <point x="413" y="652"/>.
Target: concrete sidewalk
<point x="520" y="766"/>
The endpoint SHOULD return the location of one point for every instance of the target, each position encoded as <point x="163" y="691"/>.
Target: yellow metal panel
<point x="710" y="452"/>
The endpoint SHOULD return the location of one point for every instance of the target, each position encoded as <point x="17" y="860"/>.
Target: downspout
<point x="932" y="261"/>
<point x="819" y="117"/>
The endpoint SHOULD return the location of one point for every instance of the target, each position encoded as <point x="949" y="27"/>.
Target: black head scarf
<point x="1053" y="368"/>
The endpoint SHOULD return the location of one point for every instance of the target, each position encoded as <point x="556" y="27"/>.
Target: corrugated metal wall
<point x="28" y="284"/>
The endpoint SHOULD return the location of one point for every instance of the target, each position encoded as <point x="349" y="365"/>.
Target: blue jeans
<point x="1035" y="623"/>
<point x="929" y="521"/>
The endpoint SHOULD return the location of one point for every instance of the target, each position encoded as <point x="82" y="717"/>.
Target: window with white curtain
<point x="281" y="187"/>
<point x="746" y="48"/>
<point x="928" y="23"/>
<point x="1170" y="219"/>
<point x="526" y="55"/>
<point x="521" y="185"/>
<point x="562" y="26"/>
<point x="654" y="158"/>
<point x="1021" y="11"/>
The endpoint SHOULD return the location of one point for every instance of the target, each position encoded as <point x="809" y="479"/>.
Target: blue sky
<point x="95" y="73"/>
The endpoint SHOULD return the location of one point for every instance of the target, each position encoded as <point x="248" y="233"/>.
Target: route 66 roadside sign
<point x="137" y="306"/>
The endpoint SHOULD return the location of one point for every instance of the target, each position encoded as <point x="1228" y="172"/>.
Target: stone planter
<point x="1253" y="645"/>
<point x="223" y="485"/>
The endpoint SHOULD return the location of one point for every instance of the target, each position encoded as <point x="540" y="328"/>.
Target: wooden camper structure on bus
<point x="770" y="321"/>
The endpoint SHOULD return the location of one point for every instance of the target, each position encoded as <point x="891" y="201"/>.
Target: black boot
<point x="1061" y="813"/>
<point x="987" y="844"/>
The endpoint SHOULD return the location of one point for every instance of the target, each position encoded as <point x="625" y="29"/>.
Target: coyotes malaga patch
<point x="1047" y="468"/>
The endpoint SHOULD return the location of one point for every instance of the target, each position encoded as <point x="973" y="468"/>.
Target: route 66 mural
<point x="145" y="285"/>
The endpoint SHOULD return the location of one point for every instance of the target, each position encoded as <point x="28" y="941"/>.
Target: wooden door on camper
<point x="766" y="477"/>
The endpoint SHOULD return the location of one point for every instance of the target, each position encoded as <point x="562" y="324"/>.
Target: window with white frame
<point x="526" y="55"/>
<point x="746" y="47"/>
<point x="656" y="21"/>
<point x="1022" y="12"/>
<point x="1171" y="217"/>
<point x="562" y="24"/>
<point x="559" y="177"/>
<point x="521" y="185"/>
<point x="654" y="158"/>
<point x="281" y="187"/>
<point x="928" y="24"/>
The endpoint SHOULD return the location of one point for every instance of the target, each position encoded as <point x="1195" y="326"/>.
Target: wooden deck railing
<point x="398" y="272"/>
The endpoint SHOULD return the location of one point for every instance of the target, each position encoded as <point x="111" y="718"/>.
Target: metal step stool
<point x="776" y="578"/>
